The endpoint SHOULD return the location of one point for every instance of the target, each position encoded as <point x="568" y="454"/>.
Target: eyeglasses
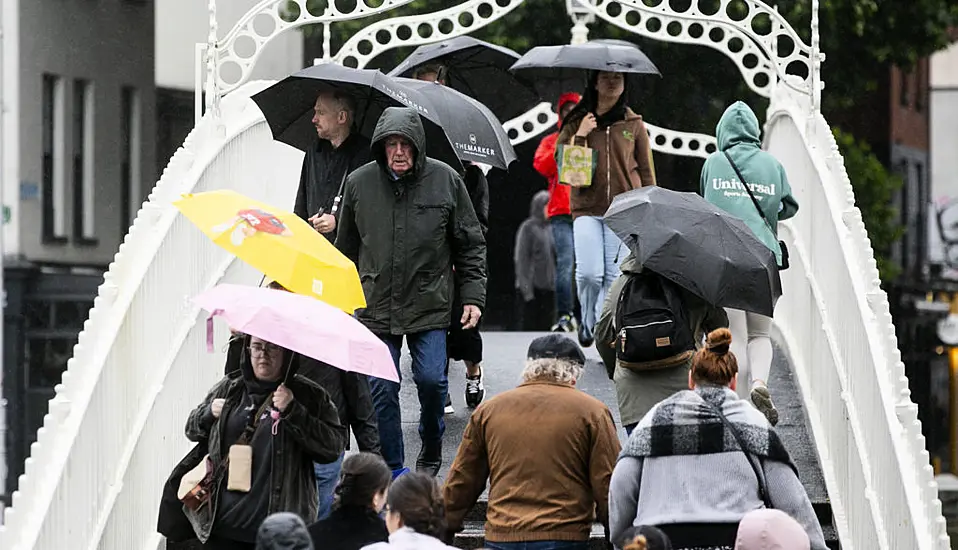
<point x="263" y="349"/>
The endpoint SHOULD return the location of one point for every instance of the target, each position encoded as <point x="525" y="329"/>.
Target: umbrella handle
<point x="209" y="329"/>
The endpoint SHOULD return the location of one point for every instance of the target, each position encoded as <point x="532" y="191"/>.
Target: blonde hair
<point x="715" y="364"/>
<point x="550" y="369"/>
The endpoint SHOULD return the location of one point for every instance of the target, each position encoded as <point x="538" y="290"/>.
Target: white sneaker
<point x="449" y="408"/>
<point x="475" y="391"/>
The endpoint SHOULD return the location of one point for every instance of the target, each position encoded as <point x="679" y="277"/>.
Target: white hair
<point x="551" y="369"/>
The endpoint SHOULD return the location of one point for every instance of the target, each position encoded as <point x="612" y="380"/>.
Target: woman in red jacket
<point x="560" y="218"/>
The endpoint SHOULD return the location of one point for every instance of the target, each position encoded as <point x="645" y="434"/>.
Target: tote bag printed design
<point x="576" y="165"/>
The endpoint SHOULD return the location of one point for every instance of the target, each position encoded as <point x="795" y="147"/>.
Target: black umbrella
<point x="479" y="70"/>
<point x="475" y="132"/>
<point x="699" y="246"/>
<point x="557" y="69"/>
<point x="288" y="106"/>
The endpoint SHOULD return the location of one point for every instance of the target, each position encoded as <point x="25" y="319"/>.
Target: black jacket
<point x="348" y="390"/>
<point x="348" y="529"/>
<point x="406" y="235"/>
<point x="478" y="188"/>
<point x="322" y="175"/>
<point x="309" y="432"/>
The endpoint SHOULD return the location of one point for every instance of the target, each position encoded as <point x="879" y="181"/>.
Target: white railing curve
<point x="95" y="473"/>
<point x="834" y="318"/>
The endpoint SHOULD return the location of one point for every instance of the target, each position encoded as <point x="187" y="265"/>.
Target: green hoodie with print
<point x="739" y="135"/>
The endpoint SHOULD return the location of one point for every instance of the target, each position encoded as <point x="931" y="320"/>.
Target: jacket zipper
<point x="608" y="164"/>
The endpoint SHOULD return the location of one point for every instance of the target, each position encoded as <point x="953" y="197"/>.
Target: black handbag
<point x="781" y="244"/>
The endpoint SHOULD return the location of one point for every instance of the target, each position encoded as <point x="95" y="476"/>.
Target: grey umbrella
<point x="556" y="69"/>
<point x="478" y="69"/>
<point x="475" y="132"/>
<point x="699" y="246"/>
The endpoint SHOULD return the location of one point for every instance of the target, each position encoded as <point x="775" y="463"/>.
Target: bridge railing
<point x="835" y="320"/>
<point x="114" y="429"/>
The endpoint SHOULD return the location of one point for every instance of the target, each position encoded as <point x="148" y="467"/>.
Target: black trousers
<point x="536" y="315"/>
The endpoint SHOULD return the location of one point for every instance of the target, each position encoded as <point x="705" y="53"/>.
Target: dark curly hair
<point x="363" y="476"/>
<point x="417" y="499"/>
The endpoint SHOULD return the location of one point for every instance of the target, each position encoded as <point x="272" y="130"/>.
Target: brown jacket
<point x="625" y="163"/>
<point x="548" y="451"/>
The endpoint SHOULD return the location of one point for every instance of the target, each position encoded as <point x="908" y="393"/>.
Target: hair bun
<point x="638" y="543"/>
<point x="719" y="340"/>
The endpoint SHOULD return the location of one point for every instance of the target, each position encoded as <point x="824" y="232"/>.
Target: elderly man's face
<point x="328" y="117"/>
<point x="400" y="154"/>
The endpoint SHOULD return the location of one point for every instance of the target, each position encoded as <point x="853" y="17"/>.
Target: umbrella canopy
<point x="288" y="106"/>
<point x="301" y="324"/>
<point x="474" y="130"/>
<point x="557" y="69"/>
<point x="699" y="246"/>
<point x="280" y="244"/>
<point x="478" y="69"/>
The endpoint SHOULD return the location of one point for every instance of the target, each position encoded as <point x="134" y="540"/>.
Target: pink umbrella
<point x="301" y="324"/>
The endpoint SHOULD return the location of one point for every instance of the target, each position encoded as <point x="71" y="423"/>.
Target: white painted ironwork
<point x="581" y="17"/>
<point x="114" y="429"/>
<point x="834" y="318"/>
<point x="759" y="57"/>
<point x="542" y="118"/>
<point x="415" y="30"/>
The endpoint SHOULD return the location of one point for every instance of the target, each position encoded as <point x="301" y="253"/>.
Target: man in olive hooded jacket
<point x="407" y="222"/>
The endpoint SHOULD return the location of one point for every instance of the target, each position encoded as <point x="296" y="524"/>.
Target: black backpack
<point x="652" y="327"/>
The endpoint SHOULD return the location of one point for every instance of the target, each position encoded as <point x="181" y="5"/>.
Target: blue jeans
<point x="327" y="477"/>
<point x="428" y="350"/>
<point x="539" y="545"/>
<point x="565" y="263"/>
<point x="598" y="252"/>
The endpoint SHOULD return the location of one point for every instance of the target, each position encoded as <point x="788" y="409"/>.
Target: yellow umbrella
<point x="280" y="244"/>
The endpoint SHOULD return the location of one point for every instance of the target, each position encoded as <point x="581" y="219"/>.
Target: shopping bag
<point x="576" y="165"/>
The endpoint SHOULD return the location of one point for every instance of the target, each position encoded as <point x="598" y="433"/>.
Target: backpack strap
<point x="749" y="190"/>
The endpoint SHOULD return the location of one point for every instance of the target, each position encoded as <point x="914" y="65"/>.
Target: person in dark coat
<point x="287" y="421"/>
<point x="360" y="497"/>
<point x="464" y="344"/>
<point x="534" y="262"/>
<point x="337" y="152"/>
<point x="350" y="393"/>
<point x="283" y="531"/>
<point x="407" y="222"/>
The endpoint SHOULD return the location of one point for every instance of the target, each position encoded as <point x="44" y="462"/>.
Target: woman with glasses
<point x="262" y="427"/>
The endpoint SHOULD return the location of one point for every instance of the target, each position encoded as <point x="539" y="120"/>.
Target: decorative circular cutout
<point x="403" y="32"/>
<point x="677" y="143"/>
<point x="761" y="24"/>
<point x="289" y="11"/>
<point x="424" y="30"/>
<point x="613" y="8"/>
<point x="263" y="25"/>
<point x="527" y="127"/>
<point x="633" y="18"/>
<point x="696" y="30"/>
<point x="484" y="10"/>
<point x="750" y="60"/>
<point x="735" y="44"/>
<point x="738" y="10"/>
<point x="660" y="140"/>
<point x="694" y="145"/>
<point x="543" y="118"/>
<point x="445" y="26"/>
<point x="674" y="28"/>
<point x="710" y="148"/>
<point x="244" y="46"/>
<point x="466" y="19"/>
<point x="653" y="24"/>
<point x="365" y="47"/>
<point x="784" y="45"/>
<point x="383" y="37"/>
<point x="798" y="68"/>
<point x="716" y="35"/>
<point x="230" y="72"/>
<point x="351" y="61"/>
<point x="761" y="79"/>
<point x="345" y="7"/>
<point x="317" y="8"/>
<point x="513" y="134"/>
<point x="708" y="7"/>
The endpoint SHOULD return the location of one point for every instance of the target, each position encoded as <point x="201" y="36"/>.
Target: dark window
<point x="904" y="89"/>
<point x="130" y="175"/>
<point x="921" y="188"/>
<point x="83" y="186"/>
<point x="904" y="216"/>
<point x="54" y="219"/>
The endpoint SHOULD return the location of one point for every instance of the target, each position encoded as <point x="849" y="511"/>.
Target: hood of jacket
<point x="761" y="529"/>
<point x="283" y="531"/>
<point x="537" y="206"/>
<point x="631" y="264"/>
<point x="399" y="121"/>
<point x="738" y="125"/>
<point x="565" y="99"/>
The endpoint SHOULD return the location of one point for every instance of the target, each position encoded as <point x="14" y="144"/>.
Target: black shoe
<point x="585" y="336"/>
<point x="475" y="390"/>
<point x="429" y="461"/>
